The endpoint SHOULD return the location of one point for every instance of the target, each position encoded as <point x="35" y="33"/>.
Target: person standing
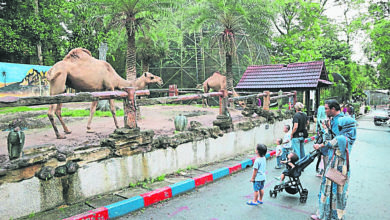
<point x="300" y="121"/>
<point x="332" y="196"/>
<point x="258" y="175"/>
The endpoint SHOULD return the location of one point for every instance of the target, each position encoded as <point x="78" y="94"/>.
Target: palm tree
<point x="227" y="19"/>
<point x="134" y="16"/>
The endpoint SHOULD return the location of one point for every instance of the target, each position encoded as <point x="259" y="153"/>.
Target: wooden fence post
<point x="173" y="91"/>
<point x="295" y="98"/>
<point x="280" y="100"/>
<point x="267" y="100"/>
<point x="130" y="113"/>
<point x="223" y="102"/>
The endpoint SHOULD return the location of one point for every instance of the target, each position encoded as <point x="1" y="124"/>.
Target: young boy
<point x="286" y="142"/>
<point x="290" y="163"/>
<point x="258" y="176"/>
<point x="278" y="152"/>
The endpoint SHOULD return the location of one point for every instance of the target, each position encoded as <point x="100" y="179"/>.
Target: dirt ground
<point x="158" y="118"/>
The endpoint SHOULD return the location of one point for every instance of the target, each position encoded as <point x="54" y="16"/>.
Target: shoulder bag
<point x="334" y="175"/>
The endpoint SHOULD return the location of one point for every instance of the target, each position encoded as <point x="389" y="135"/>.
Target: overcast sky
<point x="336" y="12"/>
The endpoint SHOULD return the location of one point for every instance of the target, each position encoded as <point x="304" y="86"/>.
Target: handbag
<point x="336" y="176"/>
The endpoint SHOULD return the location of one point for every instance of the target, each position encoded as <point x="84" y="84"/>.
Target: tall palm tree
<point x="135" y="16"/>
<point x="227" y="19"/>
<point x="224" y="19"/>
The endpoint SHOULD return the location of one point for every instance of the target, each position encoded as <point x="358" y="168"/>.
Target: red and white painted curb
<point x="146" y="199"/>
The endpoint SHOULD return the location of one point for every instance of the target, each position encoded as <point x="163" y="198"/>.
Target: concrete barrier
<point x="116" y="173"/>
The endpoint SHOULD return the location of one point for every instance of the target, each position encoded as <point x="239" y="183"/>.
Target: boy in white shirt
<point x="278" y="152"/>
<point x="286" y="147"/>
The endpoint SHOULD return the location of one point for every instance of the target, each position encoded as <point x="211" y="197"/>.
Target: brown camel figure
<point x="80" y="71"/>
<point x="217" y="82"/>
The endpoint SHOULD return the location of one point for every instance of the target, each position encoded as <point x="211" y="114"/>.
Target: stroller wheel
<point x="305" y="192"/>
<point x="302" y="199"/>
<point x="272" y="193"/>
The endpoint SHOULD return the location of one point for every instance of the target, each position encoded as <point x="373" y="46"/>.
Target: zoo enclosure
<point x="130" y="102"/>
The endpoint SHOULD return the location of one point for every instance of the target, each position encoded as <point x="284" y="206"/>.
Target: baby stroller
<point x="293" y="185"/>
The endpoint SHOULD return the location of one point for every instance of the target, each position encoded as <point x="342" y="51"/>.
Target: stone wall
<point x="47" y="177"/>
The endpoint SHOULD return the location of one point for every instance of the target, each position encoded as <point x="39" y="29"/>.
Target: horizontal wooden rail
<point x="281" y="96"/>
<point x="174" y="99"/>
<point x="241" y="98"/>
<point x="12" y="101"/>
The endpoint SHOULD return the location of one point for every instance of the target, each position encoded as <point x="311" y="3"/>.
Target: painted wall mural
<point x="23" y="79"/>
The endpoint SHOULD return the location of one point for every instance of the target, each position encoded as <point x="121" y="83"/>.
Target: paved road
<point x="369" y="196"/>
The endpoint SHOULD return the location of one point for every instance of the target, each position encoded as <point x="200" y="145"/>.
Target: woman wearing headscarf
<point x="333" y="197"/>
<point x="321" y="120"/>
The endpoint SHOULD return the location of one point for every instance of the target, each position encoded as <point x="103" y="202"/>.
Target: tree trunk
<point x="229" y="72"/>
<point x="131" y="72"/>
<point x="145" y="66"/>
<point x="39" y="45"/>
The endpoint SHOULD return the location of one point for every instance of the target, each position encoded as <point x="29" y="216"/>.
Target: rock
<point x="61" y="157"/>
<point x="223" y="122"/>
<point x="60" y="171"/>
<point x="247" y="112"/>
<point x="45" y="173"/>
<point x="71" y="167"/>
<point x="3" y="172"/>
<point x="194" y="124"/>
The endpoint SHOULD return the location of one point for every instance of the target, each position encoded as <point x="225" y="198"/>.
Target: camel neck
<point x="124" y="83"/>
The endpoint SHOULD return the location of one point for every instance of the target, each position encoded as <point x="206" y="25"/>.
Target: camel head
<point x="150" y="78"/>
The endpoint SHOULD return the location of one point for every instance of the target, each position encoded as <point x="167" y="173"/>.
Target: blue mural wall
<point x="15" y="73"/>
<point x="23" y="79"/>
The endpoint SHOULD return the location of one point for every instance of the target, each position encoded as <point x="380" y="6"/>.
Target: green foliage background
<point x="180" y="44"/>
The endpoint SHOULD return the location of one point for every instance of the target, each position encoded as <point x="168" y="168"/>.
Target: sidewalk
<point x="144" y="194"/>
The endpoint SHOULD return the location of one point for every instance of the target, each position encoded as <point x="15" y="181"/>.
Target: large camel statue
<point x="216" y="82"/>
<point x="80" y="71"/>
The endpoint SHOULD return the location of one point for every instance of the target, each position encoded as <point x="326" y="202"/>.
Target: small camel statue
<point x="216" y="82"/>
<point x="80" y="71"/>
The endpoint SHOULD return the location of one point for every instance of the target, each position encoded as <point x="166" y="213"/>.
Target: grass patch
<point x="7" y="110"/>
<point x="84" y="113"/>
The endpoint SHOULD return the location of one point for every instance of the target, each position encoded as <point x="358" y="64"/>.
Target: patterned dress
<point x="333" y="197"/>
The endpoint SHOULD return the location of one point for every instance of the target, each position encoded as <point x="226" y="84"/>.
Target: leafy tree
<point x="134" y="16"/>
<point x="379" y="34"/>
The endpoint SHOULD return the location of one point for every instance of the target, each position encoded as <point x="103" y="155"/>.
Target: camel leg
<point x="91" y="113"/>
<point x="58" y="114"/>
<point x="50" y="114"/>
<point x="113" y="112"/>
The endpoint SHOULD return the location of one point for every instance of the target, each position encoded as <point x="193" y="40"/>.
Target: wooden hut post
<point x="295" y="98"/>
<point x="129" y="107"/>
<point x="267" y="100"/>
<point x="173" y="90"/>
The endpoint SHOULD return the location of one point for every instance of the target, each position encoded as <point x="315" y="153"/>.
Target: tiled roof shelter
<point x="294" y="76"/>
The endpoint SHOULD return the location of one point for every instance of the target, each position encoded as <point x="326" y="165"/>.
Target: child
<point x="258" y="176"/>
<point x="286" y="142"/>
<point x="290" y="163"/>
<point x="278" y="152"/>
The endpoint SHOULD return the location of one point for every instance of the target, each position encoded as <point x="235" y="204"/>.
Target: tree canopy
<point x="198" y="37"/>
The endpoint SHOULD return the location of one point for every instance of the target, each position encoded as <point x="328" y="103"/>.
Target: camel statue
<point x="80" y="71"/>
<point x="216" y="82"/>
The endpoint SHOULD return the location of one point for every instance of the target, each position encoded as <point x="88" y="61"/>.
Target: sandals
<point x="251" y="203"/>
<point x="315" y="217"/>
<point x="254" y="203"/>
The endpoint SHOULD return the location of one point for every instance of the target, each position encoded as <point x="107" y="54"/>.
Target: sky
<point x="336" y="12"/>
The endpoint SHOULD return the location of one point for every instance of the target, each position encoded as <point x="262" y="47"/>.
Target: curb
<point x="146" y="199"/>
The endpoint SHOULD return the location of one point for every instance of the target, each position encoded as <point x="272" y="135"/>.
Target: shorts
<point x="258" y="185"/>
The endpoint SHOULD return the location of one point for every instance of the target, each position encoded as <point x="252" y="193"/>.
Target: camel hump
<point x="78" y="54"/>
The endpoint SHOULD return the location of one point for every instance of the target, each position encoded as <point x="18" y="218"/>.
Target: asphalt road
<point x="369" y="191"/>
